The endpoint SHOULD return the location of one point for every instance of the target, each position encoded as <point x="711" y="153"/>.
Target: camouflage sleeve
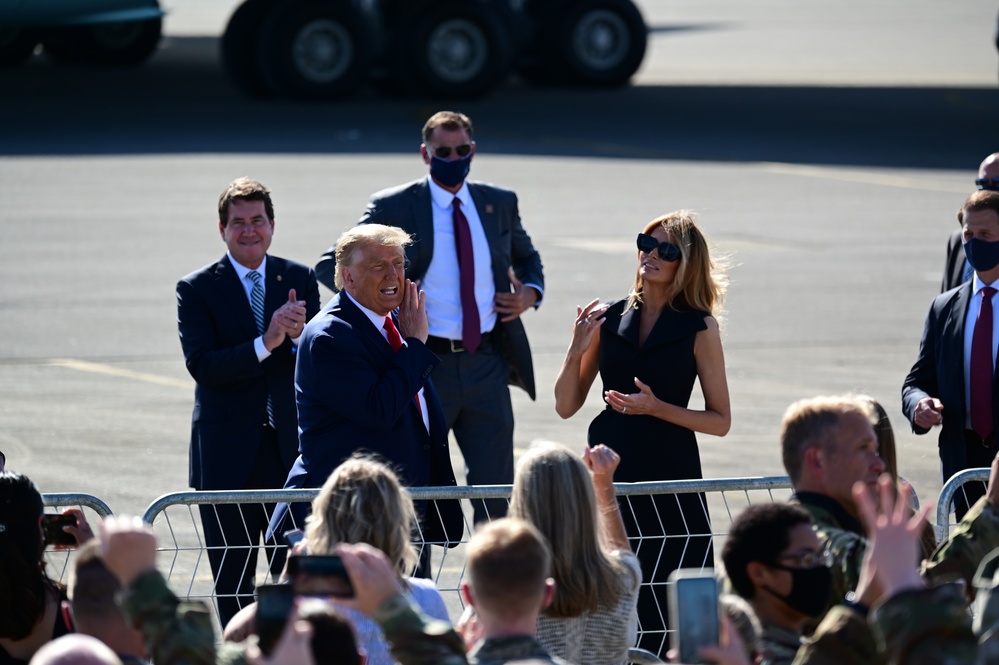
<point x="926" y="626"/>
<point x="417" y="639"/>
<point x="844" y="636"/>
<point x="175" y="633"/>
<point x="961" y="554"/>
<point x="847" y="549"/>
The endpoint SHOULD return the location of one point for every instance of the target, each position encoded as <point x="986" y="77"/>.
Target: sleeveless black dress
<point x="652" y="449"/>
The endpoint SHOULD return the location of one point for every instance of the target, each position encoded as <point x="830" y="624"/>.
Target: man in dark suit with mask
<point x="957" y="270"/>
<point x="480" y="271"/>
<point x="952" y="383"/>
<point x="239" y="320"/>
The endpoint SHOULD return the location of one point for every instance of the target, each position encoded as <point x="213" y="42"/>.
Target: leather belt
<point x="972" y="439"/>
<point x="441" y="345"/>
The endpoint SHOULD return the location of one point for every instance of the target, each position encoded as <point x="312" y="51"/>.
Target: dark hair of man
<point x="760" y="533"/>
<point x="244" y="189"/>
<point x="23" y="582"/>
<point x="333" y="639"/>
<point x="508" y="562"/>
<point x="92" y="587"/>
<point x="983" y="199"/>
<point x="449" y="120"/>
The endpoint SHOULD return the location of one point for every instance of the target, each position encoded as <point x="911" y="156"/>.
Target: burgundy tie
<point x="981" y="367"/>
<point x="471" y="329"/>
<point x="395" y="341"/>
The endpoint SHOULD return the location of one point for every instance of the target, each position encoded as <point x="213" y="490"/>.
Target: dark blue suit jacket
<point x="409" y="207"/>
<point x="217" y="330"/>
<point x="355" y="393"/>
<point x="939" y="372"/>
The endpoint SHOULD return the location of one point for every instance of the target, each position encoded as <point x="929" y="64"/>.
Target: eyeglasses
<point x="807" y="559"/>
<point x="444" y="151"/>
<point x="667" y="250"/>
<point x="988" y="183"/>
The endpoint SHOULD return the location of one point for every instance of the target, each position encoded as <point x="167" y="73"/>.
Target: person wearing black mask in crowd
<point x="957" y="270"/>
<point x="952" y="383"/>
<point x="774" y="560"/>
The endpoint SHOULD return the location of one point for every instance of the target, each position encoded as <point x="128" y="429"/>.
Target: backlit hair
<point x="349" y="244"/>
<point x="701" y="281"/>
<point x="508" y="563"/>
<point x="552" y="490"/>
<point x="363" y="502"/>
<point x="813" y="423"/>
<point x="449" y="120"/>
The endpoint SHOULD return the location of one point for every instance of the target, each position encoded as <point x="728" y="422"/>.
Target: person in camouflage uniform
<point x="828" y="444"/>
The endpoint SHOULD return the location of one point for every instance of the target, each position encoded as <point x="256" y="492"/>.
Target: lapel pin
<point x="278" y="278"/>
<point x="489" y="208"/>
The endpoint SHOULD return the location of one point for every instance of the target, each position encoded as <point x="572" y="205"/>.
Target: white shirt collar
<point x="977" y="284"/>
<point x="443" y="198"/>
<point x="242" y="271"/>
<point x="377" y="321"/>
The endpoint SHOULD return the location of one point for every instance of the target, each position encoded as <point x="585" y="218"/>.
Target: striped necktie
<point x="257" y="305"/>
<point x="257" y="299"/>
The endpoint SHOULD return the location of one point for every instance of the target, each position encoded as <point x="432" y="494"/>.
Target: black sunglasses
<point x="988" y="183"/>
<point x="444" y="151"/>
<point x="667" y="250"/>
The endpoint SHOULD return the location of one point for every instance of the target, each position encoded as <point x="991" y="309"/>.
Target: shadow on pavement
<point x="181" y="102"/>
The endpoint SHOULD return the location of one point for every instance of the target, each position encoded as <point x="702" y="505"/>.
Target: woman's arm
<point x="581" y="363"/>
<point x="602" y="461"/>
<point x="716" y="418"/>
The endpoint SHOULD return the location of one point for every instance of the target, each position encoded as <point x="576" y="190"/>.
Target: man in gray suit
<point x="480" y="271"/>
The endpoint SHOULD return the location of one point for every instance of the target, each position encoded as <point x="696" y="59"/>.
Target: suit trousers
<point x="980" y="454"/>
<point x="233" y="533"/>
<point x="473" y="391"/>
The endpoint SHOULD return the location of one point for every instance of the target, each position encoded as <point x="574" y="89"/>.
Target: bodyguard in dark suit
<point x="238" y="320"/>
<point x="957" y="270"/>
<point x="953" y="382"/>
<point x="480" y="271"/>
<point x="363" y="377"/>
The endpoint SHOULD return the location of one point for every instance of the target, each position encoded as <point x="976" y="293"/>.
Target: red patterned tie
<point x="471" y="329"/>
<point x="395" y="341"/>
<point x="981" y="367"/>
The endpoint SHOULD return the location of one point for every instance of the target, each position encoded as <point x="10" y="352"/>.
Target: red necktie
<point x="471" y="329"/>
<point x="395" y="341"/>
<point x="981" y="367"/>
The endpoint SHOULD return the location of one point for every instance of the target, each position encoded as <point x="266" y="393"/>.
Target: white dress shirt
<point x="247" y="283"/>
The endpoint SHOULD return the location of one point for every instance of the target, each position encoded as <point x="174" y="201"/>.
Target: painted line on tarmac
<point x="109" y="370"/>
<point x="864" y="177"/>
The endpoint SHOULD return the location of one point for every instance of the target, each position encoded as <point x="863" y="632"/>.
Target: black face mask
<point x="810" y="589"/>
<point x="983" y="256"/>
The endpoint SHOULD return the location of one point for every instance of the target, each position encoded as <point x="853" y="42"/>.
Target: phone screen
<point x="54" y="535"/>
<point x="320" y="575"/>
<point x="274" y="603"/>
<point x="693" y="612"/>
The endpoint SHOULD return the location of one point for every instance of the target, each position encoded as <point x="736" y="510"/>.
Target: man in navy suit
<point x="952" y="383"/>
<point x="363" y="377"/>
<point x="239" y="320"/>
<point x="480" y="271"/>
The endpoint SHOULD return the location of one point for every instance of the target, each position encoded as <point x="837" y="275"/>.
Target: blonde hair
<point x="363" y="502"/>
<point x="813" y="423"/>
<point x="552" y="490"/>
<point x="353" y="239"/>
<point x="701" y="280"/>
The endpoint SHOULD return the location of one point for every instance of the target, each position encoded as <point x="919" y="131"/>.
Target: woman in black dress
<point x="649" y="349"/>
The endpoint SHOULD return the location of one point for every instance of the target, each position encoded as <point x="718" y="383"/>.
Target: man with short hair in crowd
<point x="75" y="649"/>
<point x="93" y="591"/>
<point x="507" y="583"/>
<point x="775" y="561"/>
<point x="828" y="445"/>
<point x="957" y="270"/>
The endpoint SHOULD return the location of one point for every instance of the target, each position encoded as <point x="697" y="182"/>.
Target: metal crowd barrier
<point x="184" y="561"/>
<point x="955" y="487"/>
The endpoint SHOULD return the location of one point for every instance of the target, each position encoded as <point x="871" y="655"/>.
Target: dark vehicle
<point x="96" y="32"/>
